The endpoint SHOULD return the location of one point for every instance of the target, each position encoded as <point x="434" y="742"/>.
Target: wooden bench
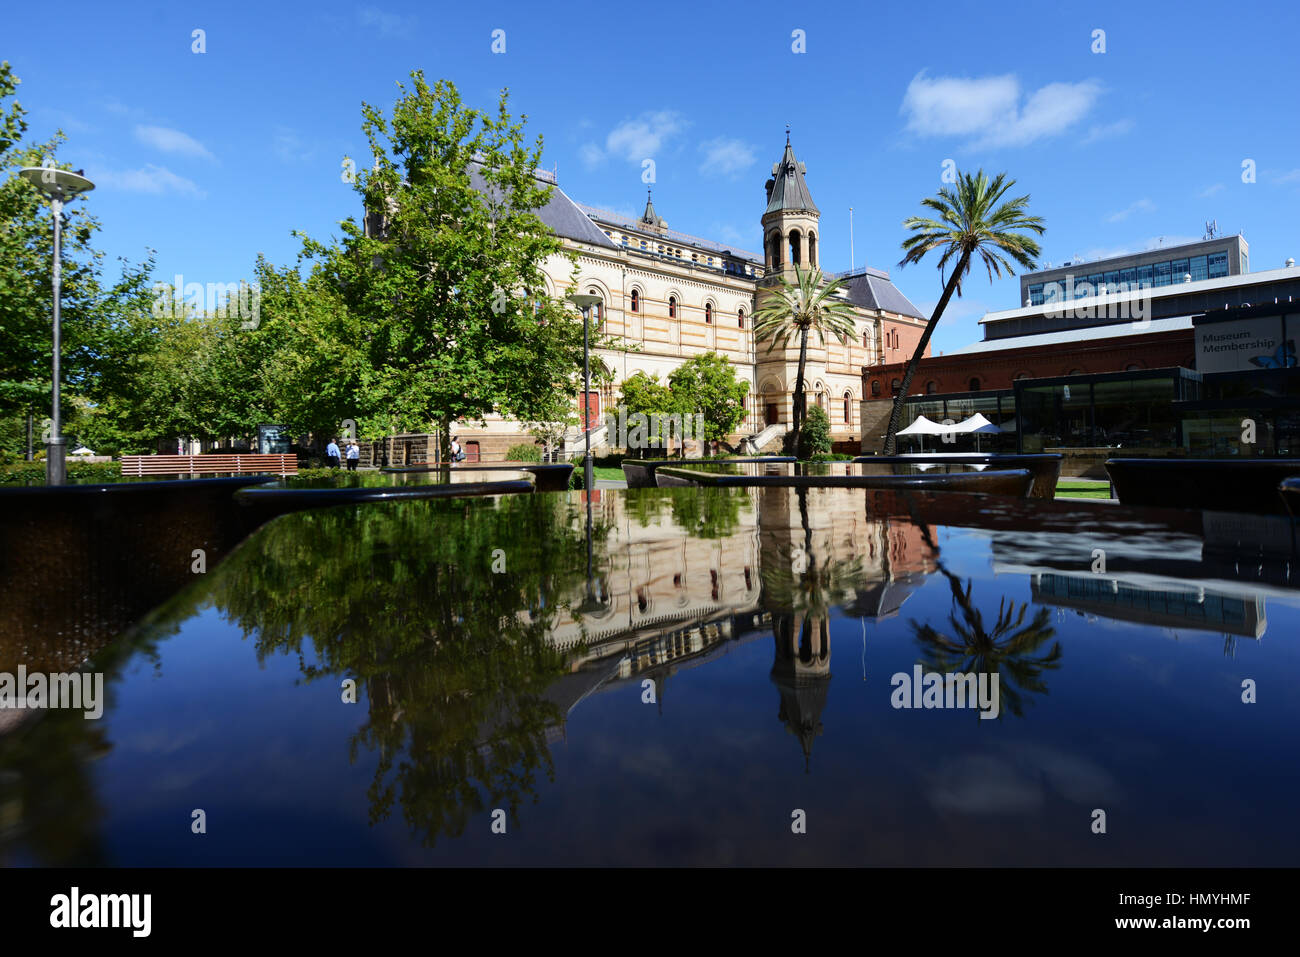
<point x="238" y="464"/>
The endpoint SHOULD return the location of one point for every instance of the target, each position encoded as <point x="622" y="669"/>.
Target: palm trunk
<point x="896" y="413"/>
<point x="797" y="418"/>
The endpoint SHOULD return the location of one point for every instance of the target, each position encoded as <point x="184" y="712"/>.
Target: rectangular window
<point x="1162" y="274"/>
<point x="1179" y="270"/>
<point x="1036" y="295"/>
<point x="1218" y="265"/>
<point x="1112" y="280"/>
<point x="1128" y="278"/>
<point x="1197" y="268"/>
<point x="1145" y="280"/>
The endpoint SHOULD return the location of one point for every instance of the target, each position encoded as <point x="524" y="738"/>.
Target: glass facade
<point x="1118" y="410"/>
<point x="999" y="407"/>
<point x="1171" y="272"/>
<point x="1171" y="411"/>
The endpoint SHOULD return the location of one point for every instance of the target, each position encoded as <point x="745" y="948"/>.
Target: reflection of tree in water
<point x="700" y="512"/>
<point x="1005" y="648"/>
<point x="454" y="657"/>
<point x="49" y="806"/>
<point x="801" y="589"/>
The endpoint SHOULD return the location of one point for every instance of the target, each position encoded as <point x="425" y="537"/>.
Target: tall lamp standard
<point x="585" y="303"/>
<point x="59" y="185"/>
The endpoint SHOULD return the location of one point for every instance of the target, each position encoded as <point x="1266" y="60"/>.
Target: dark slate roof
<point x="789" y="188"/>
<point x="635" y="225"/>
<point x="871" y="289"/>
<point x="561" y="214"/>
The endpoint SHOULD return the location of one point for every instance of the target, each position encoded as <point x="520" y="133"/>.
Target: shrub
<point x="33" y="473"/>
<point x="831" y="457"/>
<point x="815" y="434"/>
<point x="524" y="452"/>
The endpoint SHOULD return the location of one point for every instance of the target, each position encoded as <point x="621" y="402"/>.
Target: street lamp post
<point x="585" y="303"/>
<point x="59" y="185"/>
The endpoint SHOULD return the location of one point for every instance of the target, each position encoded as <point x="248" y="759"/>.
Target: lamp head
<point x="60" y="184"/>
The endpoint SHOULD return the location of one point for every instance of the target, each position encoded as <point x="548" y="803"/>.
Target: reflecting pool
<point x="684" y="676"/>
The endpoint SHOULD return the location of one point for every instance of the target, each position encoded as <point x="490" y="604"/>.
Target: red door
<point x="471" y="451"/>
<point x="589" y="403"/>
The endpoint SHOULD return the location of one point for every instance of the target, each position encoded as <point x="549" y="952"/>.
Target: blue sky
<point x="212" y="158"/>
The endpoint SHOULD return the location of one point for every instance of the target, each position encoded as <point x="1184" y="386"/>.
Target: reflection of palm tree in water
<point x="801" y="591"/>
<point x="1005" y="649"/>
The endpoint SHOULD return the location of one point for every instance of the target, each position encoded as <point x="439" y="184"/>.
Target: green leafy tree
<point x="974" y="221"/>
<point x="815" y="435"/>
<point x="446" y="285"/>
<point x="644" y="394"/>
<point x="707" y="385"/>
<point x="94" y="323"/>
<point x="798" y="308"/>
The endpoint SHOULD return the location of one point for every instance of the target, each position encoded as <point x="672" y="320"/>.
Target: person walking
<point x="457" y="453"/>
<point x="332" y="453"/>
<point x="354" y="455"/>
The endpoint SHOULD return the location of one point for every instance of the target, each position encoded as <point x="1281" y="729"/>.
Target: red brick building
<point x="996" y="364"/>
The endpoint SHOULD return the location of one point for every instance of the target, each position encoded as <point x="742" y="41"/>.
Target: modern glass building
<point x="1209" y="259"/>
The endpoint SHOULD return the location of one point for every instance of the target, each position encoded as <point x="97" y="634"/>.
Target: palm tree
<point x="800" y="307"/>
<point x="973" y="221"/>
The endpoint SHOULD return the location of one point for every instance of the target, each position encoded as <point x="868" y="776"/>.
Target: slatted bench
<point x="238" y="464"/>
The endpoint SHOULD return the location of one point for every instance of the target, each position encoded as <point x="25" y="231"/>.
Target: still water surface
<point x="506" y="651"/>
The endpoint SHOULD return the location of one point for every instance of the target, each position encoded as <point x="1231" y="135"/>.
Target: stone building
<point x="672" y="296"/>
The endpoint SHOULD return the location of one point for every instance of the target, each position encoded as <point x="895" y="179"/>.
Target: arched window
<point x="894" y="386"/>
<point x="708" y="313"/>
<point x="598" y="312"/>
<point x="740" y="315"/>
<point x="875" y="387"/>
<point x="672" y="307"/>
<point x="930" y="387"/>
<point x="866" y="340"/>
<point x="812" y="249"/>
<point x="636" y="301"/>
<point x="975" y="384"/>
<point x="796" y="248"/>
<point x="848" y="408"/>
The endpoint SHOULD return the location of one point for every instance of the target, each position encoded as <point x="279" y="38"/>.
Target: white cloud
<point x="157" y="180"/>
<point x="1292" y="176"/>
<point x="591" y="155"/>
<point x="388" y="24"/>
<point x="1105" y="131"/>
<point x="289" y="147"/>
<point x="990" y="111"/>
<point x="1210" y="191"/>
<point x="643" y="137"/>
<point x="725" y="157"/>
<point x="1156" y="242"/>
<point x="171" y="141"/>
<point x="1140" y="206"/>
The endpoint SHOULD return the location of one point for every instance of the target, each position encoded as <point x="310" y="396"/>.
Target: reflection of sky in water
<point x="1145" y="722"/>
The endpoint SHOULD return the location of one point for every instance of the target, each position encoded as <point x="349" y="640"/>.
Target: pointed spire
<point x="650" y="217"/>
<point x="789" y="188"/>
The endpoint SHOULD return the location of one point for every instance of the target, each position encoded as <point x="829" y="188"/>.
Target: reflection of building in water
<point x="1167" y="577"/>
<point x="1185" y="608"/>
<point x="672" y="598"/>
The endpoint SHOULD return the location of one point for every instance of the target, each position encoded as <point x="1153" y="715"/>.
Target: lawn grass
<point x="1082" y="489"/>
